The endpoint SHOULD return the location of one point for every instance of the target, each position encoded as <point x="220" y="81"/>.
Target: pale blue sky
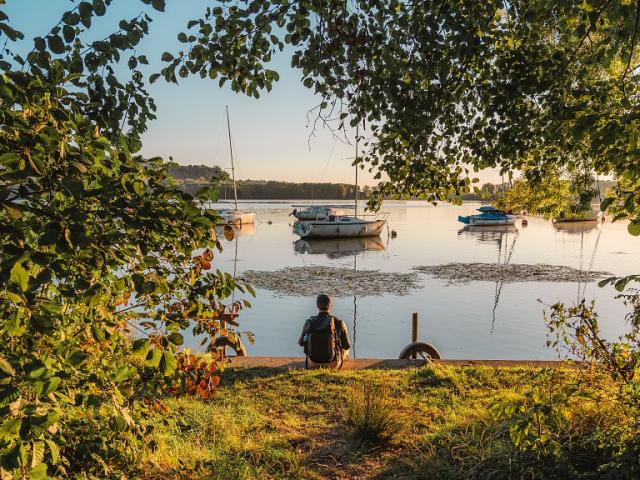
<point x="271" y="135"/>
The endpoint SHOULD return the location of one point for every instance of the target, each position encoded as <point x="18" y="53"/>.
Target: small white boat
<point x="317" y="212"/>
<point x="340" y="227"/>
<point x="236" y="217"/>
<point x="589" y="216"/>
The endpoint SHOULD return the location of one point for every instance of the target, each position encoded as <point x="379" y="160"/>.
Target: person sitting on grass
<point x="324" y="337"/>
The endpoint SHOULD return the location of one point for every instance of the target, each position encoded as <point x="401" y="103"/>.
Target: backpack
<point x="322" y="345"/>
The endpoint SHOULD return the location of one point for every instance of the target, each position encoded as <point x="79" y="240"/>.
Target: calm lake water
<point x="477" y="320"/>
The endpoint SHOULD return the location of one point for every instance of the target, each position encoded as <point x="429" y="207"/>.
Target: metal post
<point x="414" y="327"/>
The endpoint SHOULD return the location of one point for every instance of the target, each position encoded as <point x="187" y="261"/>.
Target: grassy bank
<point x="265" y="423"/>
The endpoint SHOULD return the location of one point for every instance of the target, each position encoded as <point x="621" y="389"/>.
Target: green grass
<point x="269" y="424"/>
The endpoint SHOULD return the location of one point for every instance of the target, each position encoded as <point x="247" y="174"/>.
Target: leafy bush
<point x="591" y="424"/>
<point x="369" y="413"/>
<point x="96" y="246"/>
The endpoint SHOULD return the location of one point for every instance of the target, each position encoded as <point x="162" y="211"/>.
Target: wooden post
<point x="414" y="327"/>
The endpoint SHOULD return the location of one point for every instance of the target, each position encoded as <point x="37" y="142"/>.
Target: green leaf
<point x="8" y="395"/>
<point x="176" y="338"/>
<point x="52" y="307"/>
<point x="39" y="472"/>
<point x="139" y="187"/>
<point x="154" y="77"/>
<point x="158" y="5"/>
<point x="606" y="203"/>
<point x="69" y="33"/>
<point x="49" y="386"/>
<point x="19" y="277"/>
<point x="10" y="32"/>
<point x="140" y="346"/>
<point x="10" y="428"/>
<point x="634" y="228"/>
<point x="6" y="367"/>
<point x="37" y="454"/>
<point x="56" y="45"/>
<point x="168" y="363"/>
<point x="166" y="57"/>
<point x="76" y="358"/>
<point x="153" y="357"/>
<point x="85" y="9"/>
<point x="124" y="373"/>
<point x="71" y="18"/>
<point x="8" y="158"/>
<point x="54" y="450"/>
<point x="99" y="7"/>
<point x="621" y="284"/>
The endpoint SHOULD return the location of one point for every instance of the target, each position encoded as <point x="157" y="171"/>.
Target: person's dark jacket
<point x="322" y="322"/>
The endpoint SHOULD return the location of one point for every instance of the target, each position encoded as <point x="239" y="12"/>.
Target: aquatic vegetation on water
<point x="515" y="272"/>
<point x="339" y="282"/>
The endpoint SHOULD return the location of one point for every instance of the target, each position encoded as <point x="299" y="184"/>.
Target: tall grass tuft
<point x="370" y="414"/>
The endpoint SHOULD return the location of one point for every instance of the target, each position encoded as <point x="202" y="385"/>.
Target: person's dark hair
<point x="323" y="301"/>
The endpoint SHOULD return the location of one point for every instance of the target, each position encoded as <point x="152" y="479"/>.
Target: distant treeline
<point x="274" y="190"/>
<point x="491" y="192"/>
<point x="192" y="178"/>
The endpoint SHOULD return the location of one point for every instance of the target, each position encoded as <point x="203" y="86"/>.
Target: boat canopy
<point x="322" y="205"/>
<point x="489" y="209"/>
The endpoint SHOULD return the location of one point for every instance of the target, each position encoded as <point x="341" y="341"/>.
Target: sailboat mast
<point x="233" y="169"/>
<point x="356" y="189"/>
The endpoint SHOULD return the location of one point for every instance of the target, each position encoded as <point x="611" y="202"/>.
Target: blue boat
<point x="488" y="216"/>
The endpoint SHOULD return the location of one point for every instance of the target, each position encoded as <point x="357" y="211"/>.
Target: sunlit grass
<point x="433" y="423"/>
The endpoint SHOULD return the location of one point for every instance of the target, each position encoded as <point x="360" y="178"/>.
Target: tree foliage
<point x="444" y="86"/>
<point x="558" y="196"/>
<point x="94" y="238"/>
<point x="97" y="272"/>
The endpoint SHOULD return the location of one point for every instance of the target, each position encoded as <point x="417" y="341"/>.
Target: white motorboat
<point x="488" y="216"/>
<point x="235" y="216"/>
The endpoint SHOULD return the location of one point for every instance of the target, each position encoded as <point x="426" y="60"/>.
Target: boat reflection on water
<point x="498" y="234"/>
<point x="338" y="247"/>
<point x="244" y="230"/>
<point x="577" y="228"/>
<point x="489" y="233"/>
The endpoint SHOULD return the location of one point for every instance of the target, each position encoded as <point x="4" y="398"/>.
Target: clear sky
<point x="271" y="134"/>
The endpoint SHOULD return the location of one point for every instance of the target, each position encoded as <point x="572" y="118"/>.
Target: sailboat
<point x="235" y="216"/>
<point x="336" y="225"/>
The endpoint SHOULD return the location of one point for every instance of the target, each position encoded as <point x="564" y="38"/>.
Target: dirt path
<point x="297" y="363"/>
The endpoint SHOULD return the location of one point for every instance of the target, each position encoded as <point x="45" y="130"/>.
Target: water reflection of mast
<point x="507" y="259"/>
<point x="581" y="257"/>
<point x="235" y="265"/>
<point x="355" y="308"/>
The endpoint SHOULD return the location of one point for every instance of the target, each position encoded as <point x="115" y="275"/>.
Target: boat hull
<point x="591" y="216"/>
<point x="339" y="230"/>
<point x="477" y="221"/>
<point x="236" y="217"/>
